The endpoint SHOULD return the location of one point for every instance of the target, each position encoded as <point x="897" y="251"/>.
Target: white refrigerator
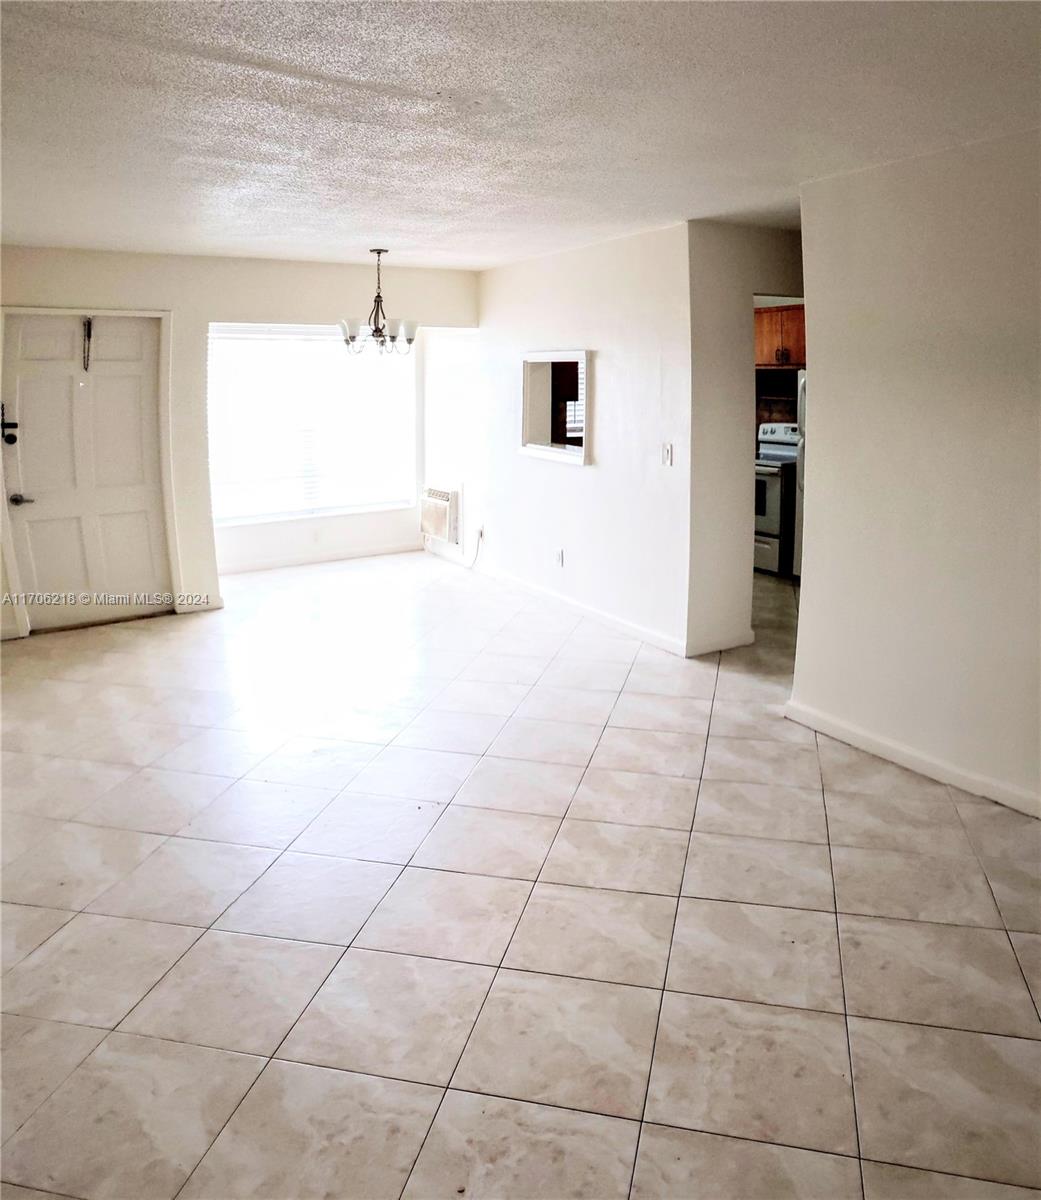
<point x="800" y="471"/>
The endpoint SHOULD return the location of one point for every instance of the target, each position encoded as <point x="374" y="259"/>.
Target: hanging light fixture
<point x="389" y="335"/>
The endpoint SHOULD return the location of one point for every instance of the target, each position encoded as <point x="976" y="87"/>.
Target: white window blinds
<point x="299" y="426"/>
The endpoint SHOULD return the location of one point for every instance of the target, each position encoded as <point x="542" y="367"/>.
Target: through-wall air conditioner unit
<point x="441" y="515"/>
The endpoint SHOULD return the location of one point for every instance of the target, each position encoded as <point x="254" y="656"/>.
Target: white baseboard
<point x="213" y="605"/>
<point x="713" y="645"/>
<point x="653" y="636"/>
<point x="447" y="550"/>
<point x="305" y="559"/>
<point x="905" y="756"/>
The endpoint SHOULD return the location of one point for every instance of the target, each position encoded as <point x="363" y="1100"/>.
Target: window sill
<point x="288" y="518"/>
<point x="575" y="457"/>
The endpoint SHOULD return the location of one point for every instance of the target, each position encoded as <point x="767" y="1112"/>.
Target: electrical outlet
<point x="666" y="454"/>
<point x="558" y="558"/>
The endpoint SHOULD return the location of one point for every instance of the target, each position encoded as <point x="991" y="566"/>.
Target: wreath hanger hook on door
<point x="88" y="334"/>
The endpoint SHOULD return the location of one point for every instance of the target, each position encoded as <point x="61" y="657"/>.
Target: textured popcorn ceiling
<point x="469" y="134"/>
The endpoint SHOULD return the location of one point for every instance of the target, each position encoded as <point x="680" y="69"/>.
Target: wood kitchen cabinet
<point x="780" y="336"/>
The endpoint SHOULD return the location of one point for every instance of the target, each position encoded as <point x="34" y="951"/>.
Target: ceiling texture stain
<point x="471" y="134"/>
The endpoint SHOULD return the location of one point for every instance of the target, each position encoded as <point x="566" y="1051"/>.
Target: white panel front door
<point x="84" y="494"/>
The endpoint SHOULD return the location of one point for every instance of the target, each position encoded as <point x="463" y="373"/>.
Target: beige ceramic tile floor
<point x="389" y="880"/>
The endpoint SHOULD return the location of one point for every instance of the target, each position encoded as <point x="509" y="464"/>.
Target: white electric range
<point x="777" y="496"/>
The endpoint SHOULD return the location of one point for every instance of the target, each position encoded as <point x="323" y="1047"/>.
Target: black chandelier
<point x="390" y="336"/>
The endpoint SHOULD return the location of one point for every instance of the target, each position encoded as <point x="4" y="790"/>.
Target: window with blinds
<point x="568" y="400"/>
<point x="300" y="427"/>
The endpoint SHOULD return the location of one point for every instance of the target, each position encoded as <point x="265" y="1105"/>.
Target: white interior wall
<point x="454" y="416"/>
<point x="621" y="521"/>
<point x="919" y="626"/>
<point x="729" y="265"/>
<point x="200" y="290"/>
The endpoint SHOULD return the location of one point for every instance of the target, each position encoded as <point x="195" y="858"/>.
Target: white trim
<point x="361" y="510"/>
<point x="579" y="356"/>
<point x="10" y="561"/>
<point x="905" y="756"/>
<point x="81" y="310"/>
<point x="173" y="541"/>
<point x="419" y="365"/>
<point x="652" y="636"/>
<point x="574" y="457"/>
<point x="7" y="552"/>
<point x="334" y="555"/>
<point x="248" y="331"/>
<point x="165" y="448"/>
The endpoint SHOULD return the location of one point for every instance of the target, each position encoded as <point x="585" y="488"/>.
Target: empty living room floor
<point x="389" y="879"/>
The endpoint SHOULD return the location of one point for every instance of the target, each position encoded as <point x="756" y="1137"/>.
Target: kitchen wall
<point x="198" y="290"/>
<point x="729" y="265"/>
<point x="919" y="626"/>
<point x="622" y="521"/>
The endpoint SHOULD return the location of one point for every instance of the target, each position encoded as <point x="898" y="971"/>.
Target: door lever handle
<point x="17" y="499"/>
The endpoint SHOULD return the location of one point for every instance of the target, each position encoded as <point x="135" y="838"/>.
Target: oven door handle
<point x="767" y="470"/>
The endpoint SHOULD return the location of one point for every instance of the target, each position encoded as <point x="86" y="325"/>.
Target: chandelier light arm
<point x="377" y="317"/>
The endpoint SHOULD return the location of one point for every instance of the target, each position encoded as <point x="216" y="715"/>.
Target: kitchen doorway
<point x="779" y="449"/>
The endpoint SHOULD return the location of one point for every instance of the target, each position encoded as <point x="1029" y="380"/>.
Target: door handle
<point x="17" y="499"/>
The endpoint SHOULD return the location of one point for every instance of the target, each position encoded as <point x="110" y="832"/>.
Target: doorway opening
<point x="779" y="448"/>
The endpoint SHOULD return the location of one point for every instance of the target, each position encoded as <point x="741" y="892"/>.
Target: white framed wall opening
<point x="312" y="449"/>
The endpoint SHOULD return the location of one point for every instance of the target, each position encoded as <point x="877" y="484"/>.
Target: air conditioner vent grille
<point x="440" y="515"/>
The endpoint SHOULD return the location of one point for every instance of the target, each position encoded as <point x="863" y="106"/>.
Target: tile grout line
<point x="629" y="1120"/>
<point x="109" y="1029"/>
<point x="203" y="930"/>
<point x="842" y="979"/>
<point x="339" y="959"/>
<point x="672" y="939"/>
<point x="516" y="926"/>
<point x="516" y="879"/>
<point x="401" y="868"/>
<point x="1036" y="1001"/>
<point x="344" y="791"/>
<point x="797" y="1008"/>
